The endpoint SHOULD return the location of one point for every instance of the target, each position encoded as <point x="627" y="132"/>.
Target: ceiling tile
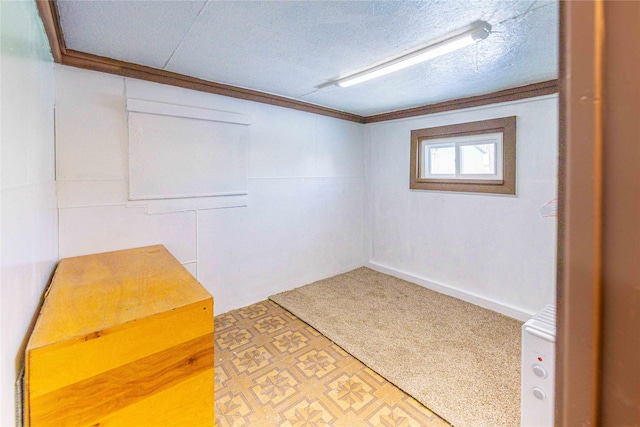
<point x="519" y="52"/>
<point x="141" y="32"/>
<point x="289" y="48"/>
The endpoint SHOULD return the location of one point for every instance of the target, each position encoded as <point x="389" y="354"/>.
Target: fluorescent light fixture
<point x="478" y="31"/>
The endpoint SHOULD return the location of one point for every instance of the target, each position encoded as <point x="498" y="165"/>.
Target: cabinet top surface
<point x="95" y="292"/>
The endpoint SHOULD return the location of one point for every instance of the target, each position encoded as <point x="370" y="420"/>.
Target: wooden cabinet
<point x="123" y="339"/>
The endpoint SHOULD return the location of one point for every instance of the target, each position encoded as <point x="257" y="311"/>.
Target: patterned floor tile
<point x="274" y="387"/>
<point x="232" y="410"/>
<point x="290" y="341"/>
<point x="234" y="338"/>
<point x="272" y="369"/>
<point x="350" y="392"/>
<point x="251" y="359"/>
<point x="393" y="416"/>
<point x="316" y="364"/>
<point x="270" y="324"/>
<point x="307" y="412"/>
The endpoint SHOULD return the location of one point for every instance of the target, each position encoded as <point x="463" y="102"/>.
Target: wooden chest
<point x="123" y="339"/>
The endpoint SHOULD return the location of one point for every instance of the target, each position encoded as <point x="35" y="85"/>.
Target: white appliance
<point x="538" y="369"/>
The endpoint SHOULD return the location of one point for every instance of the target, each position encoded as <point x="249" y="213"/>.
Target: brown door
<point x="598" y="381"/>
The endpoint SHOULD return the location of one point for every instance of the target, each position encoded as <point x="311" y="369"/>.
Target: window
<point x="472" y="157"/>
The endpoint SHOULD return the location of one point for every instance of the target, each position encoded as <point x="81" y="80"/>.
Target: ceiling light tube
<point x="479" y="31"/>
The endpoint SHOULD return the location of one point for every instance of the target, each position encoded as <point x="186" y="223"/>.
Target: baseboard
<point x="506" y="309"/>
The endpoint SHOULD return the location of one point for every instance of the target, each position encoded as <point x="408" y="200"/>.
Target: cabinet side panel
<point x="68" y="362"/>
<point x="92" y="399"/>
<point x="188" y="403"/>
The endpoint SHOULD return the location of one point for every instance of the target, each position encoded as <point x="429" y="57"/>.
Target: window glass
<point x="442" y="160"/>
<point x="478" y="159"/>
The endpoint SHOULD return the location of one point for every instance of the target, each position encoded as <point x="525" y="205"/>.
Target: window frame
<point x="504" y="125"/>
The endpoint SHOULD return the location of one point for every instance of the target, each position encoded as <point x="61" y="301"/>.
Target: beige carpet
<point x="459" y="360"/>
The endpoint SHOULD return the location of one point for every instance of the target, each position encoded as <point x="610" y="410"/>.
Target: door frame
<point x="598" y="345"/>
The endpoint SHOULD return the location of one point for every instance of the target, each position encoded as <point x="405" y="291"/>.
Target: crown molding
<point x="49" y="15"/>
<point x="51" y="21"/>
<point x="107" y="65"/>
<point x="522" y="92"/>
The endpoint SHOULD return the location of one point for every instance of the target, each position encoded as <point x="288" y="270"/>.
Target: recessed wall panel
<point x="175" y="157"/>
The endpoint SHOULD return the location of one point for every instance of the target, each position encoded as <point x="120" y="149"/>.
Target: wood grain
<point x="122" y="333"/>
<point x="160" y="409"/>
<point x="97" y="292"/>
<point x="104" y="350"/>
<point x="95" y="397"/>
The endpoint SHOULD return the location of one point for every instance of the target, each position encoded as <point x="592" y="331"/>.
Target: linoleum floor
<point x="272" y="369"/>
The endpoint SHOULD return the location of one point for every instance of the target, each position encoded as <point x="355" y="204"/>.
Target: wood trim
<point x="62" y="55"/>
<point x="505" y="125"/>
<point x="620" y="360"/>
<point x="49" y="15"/>
<point x="529" y="91"/>
<point x="579" y="214"/>
<point x="107" y="65"/>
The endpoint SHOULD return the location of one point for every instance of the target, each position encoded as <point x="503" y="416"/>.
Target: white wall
<point x="304" y="216"/>
<point x="306" y="203"/>
<point x="29" y="245"/>
<point x="493" y="250"/>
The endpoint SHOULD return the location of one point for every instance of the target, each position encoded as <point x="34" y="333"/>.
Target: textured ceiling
<point x="289" y="48"/>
